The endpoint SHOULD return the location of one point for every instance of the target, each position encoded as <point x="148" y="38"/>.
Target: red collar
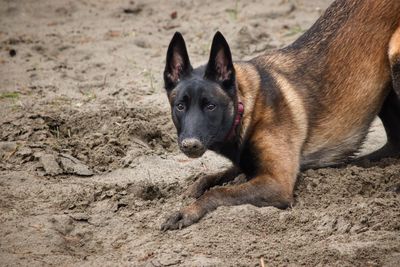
<point x="238" y="118"/>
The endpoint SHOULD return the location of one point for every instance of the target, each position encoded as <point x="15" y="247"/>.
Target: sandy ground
<point x="89" y="166"/>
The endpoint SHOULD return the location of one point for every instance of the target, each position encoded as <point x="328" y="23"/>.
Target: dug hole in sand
<point x="89" y="166"/>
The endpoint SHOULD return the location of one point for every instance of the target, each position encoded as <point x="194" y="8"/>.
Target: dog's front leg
<point x="202" y="184"/>
<point x="263" y="190"/>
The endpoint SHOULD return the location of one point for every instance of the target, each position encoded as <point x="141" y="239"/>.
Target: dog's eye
<point x="180" y="107"/>
<point x="210" y="107"/>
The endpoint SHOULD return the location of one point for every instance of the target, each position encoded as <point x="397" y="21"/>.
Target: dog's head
<point x="203" y="100"/>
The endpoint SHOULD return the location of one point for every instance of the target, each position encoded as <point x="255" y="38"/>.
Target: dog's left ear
<point x="220" y="66"/>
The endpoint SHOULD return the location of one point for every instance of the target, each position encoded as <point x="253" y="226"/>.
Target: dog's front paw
<point x="183" y="218"/>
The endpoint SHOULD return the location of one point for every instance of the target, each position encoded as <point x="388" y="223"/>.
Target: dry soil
<point x="89" y="166"/>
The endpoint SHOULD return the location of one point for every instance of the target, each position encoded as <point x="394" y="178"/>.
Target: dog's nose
<point x="191" y="144"/>
<point x="192" y="147"/>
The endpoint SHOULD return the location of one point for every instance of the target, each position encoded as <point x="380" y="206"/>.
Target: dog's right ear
<point x="177" y="64"/>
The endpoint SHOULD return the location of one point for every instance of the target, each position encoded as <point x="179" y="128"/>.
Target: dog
<point x="308" y="105"/>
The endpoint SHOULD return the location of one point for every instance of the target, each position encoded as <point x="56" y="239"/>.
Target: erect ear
<point x="220" y="66"/>
<point x="177" y="63"/>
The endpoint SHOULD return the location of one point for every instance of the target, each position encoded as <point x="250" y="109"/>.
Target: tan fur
<point x="248" y="82"/>
<point x="357" y="73"/>
<point x="310" y="104"/>
<point x="295" y="105"/>
<point x="394" y="46"/>
<point x="351" y="78"/>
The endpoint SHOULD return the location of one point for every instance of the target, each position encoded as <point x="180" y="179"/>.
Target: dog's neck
<point x="238" y="117"/>
<point x="246" y="82"/>
<point x="244" y="105"/>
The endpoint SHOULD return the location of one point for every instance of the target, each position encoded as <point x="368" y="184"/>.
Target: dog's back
<point x="341" y="69"/>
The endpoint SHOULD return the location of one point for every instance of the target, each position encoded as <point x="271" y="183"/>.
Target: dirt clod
<point x="50" y="164"/>
<point x="149" y="192"/>
<point x="72" y="165"/>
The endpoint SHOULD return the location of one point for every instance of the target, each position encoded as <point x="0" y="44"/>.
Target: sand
<point x="89" y="166"/>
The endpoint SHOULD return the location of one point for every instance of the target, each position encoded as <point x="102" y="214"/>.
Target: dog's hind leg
<point x="394" y="58"/>
<point x="390" y="117"/>
<point x="390" y="111"/>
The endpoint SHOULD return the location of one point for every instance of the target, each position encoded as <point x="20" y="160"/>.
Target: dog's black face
<point x="203" y="100"/>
